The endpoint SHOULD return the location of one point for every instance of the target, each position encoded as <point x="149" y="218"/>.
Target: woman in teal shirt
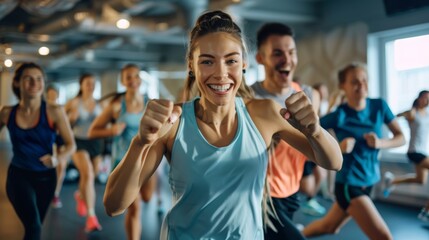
<point x="357" y="125"/>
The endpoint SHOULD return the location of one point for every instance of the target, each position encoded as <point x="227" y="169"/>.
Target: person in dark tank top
<point x="33" y="126"/>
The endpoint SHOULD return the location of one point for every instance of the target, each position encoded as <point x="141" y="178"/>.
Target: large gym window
<point x="399" y="60"/>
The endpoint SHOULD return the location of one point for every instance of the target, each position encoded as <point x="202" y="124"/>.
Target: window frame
<point x="377" y="70"/>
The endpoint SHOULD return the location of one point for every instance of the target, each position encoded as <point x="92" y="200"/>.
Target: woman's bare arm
<point x="306" y="134"/>
<point x="62" y="124"/>
<point x="143" y="156"/>
<point x="99" y="127"/>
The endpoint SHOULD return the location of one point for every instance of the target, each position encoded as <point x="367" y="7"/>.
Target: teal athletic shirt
<point x="217" y="191"/>
<point x="361" y="167"/>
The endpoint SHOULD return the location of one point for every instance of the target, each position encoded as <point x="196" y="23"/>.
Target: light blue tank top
<point x="217" y="191"/>
<point x="132" y="121"/>
<point x="84" y="121"/>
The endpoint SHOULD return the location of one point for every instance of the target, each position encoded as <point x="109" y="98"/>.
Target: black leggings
<point x="285" y="209"/>
<point x="30" y="193"/>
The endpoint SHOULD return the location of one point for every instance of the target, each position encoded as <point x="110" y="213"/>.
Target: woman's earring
<point x="244" y="70"/>
<point x="191" y="74"/>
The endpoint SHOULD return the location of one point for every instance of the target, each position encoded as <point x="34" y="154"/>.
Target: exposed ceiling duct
<point x="39" y="8"/>
<point x="104" y="23"/>
<point x="82" y="34"/>
<point x="193" y="9"/>
<point x="270" y="11"/>
<point x="6" y="6"/>
<point x="46" y="7"/>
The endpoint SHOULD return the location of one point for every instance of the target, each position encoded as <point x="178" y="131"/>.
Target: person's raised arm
<point x="99" y="127"/>
<point x="397" y="140"/>
<point x="314" y="141"/>
<point x="143" y="156"/>
<point x="409" y="115"/>
<point x="315" y="100"/>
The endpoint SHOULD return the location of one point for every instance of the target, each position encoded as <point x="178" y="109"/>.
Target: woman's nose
<point x="221" y="72"/>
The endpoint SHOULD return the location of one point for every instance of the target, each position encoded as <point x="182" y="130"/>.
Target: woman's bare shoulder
<point x="55" y="111"/>
<point x="4" y="113"/>
<point x="262" y="107"/>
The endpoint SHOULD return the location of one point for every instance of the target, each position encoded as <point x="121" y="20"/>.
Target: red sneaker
<point x="80" y="205"/>
<point x="56" y="202"/>
<point x="92" y="224"/>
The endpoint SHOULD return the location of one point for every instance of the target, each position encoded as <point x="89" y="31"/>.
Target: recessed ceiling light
<point x="8" y="63"/>
<point x="44" y="37"/>
<point x="162" y="26"/>
<point x="8" y="51"/>
<point x="43" y="51"/>
<point x="123" y="23"/>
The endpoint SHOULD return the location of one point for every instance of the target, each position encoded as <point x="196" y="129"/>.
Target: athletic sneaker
<point x="313" y="208"/>
<point x="299" y="226"/>
<point x="424" y="215"/>
<point x="80" y="205"/>
<point x="56" y="202"/>
<point x="92" y="224"/>
<point x="388" y="186"/>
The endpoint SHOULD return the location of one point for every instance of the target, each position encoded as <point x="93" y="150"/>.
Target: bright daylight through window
<point x="407" y="71"/>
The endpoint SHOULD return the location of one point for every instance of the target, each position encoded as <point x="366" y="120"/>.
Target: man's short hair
<point x="269" y="29"/>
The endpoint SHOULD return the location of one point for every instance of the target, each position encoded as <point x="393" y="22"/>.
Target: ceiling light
<point x="65" y="23"/>
<point x="44" y="37"/>
<point x="236" y="1"/>
<point x="79" y="16"/>
<point x="89" y="55"/>
<point x="8" y="63"/>
<point x="123" y="23"/>
<point x="162" y="26"/>
<point x="8" y="51"/>
<point x="43" y="51"/>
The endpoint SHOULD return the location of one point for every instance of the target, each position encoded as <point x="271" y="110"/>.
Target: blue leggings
<point x="30" y="193"/>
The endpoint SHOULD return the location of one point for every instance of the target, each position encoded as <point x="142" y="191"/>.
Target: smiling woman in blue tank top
<point x="217" y="143"/>
<point x="33" y="126"/>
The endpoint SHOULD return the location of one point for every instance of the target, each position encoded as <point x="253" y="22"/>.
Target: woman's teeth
<point x="221" y="88"/>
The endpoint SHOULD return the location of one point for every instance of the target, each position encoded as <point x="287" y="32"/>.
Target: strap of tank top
<point x="123" y="105"/>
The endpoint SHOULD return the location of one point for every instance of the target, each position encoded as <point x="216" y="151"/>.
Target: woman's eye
<point x="206" y="62"/>
<point x="231" y="61"/>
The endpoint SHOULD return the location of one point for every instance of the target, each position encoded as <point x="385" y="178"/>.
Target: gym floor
<point x="65" y="224"/>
